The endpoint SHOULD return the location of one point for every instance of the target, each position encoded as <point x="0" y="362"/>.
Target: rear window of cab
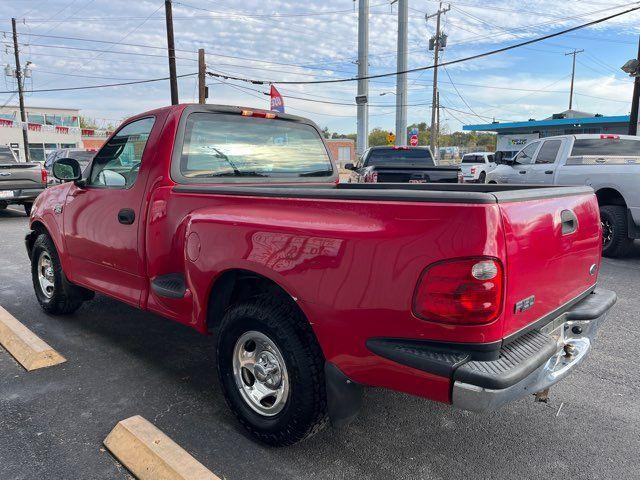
<point x="218" y="147"/>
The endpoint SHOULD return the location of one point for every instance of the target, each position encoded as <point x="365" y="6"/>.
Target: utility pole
<point x="573" y="74"/>
<point x="401" y="78"/>
<point x="363" y="84"/>
<point x="202" y="74"/>
<point x="438" y="42"/>
<point x="173" y="80"/>
<point x="635" y="104"/>
<point x="23" y="115"/>
<point x="437" y="125"/>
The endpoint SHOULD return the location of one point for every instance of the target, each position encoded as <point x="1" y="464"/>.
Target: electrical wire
<point x="88" y="87"/>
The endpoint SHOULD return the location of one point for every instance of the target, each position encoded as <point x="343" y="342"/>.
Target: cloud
<point x="290" y="40"/>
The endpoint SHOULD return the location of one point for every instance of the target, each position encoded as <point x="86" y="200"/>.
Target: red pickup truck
<point x="232" y="221"/>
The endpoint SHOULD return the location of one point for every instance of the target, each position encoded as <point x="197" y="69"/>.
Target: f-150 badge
<point x="524" y="304"/>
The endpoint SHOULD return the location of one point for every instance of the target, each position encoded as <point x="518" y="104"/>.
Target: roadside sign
<point x="391" y="138"/>
<point x="413" y="141"/>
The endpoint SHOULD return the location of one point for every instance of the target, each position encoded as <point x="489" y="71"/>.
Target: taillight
<point x="473" y="170"/>
<point x="43" y="176"/>
<point x="464" y="291"/>
<point x="259" y="113"/>
<point x="610" y="137"/>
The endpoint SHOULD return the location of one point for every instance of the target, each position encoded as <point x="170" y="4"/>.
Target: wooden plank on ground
<point x="150" y="454"/>
<point x="25" y="346"/>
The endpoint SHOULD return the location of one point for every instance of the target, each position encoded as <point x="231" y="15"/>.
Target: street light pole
<point x="23" y="115"/>
<point x="635" y="104"/>
<point x="363" y="84"/>
<point x="401" y="78"/>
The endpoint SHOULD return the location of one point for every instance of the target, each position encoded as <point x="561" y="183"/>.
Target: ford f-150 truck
<point x="400" y="165"/>
<point x="610" y="164"/>
<point x="20" y="183"/>
<point x="232" y="221"/>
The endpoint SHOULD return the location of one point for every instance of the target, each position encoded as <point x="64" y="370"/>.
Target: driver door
<point x="521" y="170"/>
<point x="101" y="219"/>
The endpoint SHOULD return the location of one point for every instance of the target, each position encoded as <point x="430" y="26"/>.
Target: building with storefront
<point x="343" y="150"/>
<point x="47" y="130"/>
<point x="512" y="136"/>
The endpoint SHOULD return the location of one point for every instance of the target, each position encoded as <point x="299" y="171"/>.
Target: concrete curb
<point x="150" y="455"/>
<point x="25" y="346"/>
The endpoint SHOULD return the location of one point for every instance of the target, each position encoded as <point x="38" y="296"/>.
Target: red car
<point x="232" y="220"/>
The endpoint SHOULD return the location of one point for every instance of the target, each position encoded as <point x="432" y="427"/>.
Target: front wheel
<point x="55" y="294"/>
<point x="271" y="371"/>
<point x="615" y="238"/>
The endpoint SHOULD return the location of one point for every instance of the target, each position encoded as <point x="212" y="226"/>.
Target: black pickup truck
<point x="400" y="165"/>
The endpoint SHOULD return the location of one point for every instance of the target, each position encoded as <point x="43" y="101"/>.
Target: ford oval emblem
<point x="593" y="269"/>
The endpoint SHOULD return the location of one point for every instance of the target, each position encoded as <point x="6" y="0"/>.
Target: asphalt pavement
<point x="123" y="362"/>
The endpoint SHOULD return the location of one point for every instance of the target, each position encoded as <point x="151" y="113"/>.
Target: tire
<point x="61" y="297"/>
<point x="27" y="208"/>
<point x="615" y="238"/>
<point x="482" y="178"/>
<point x="302" y="385"/>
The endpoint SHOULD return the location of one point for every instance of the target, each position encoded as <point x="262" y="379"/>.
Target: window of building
<point x="36" y="152"/>
<point x="344" y="154"/>
<point x="36" y="118"/>
<point x="68" y="145"/>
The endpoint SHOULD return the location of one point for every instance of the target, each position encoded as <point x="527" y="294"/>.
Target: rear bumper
<point x="579" y="327"/>
<point x="21" y="195"/>
<point x="484" y="381"/>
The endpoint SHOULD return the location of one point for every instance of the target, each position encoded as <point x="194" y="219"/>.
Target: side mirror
<point x="349" y="166"/>
<point x="67" y="170"/>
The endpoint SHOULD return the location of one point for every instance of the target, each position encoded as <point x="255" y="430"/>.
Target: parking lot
<point x="123" y="362"/>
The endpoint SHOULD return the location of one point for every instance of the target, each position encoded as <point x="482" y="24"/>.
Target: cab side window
<point x="118" y="162"/>
<point x="525" y="157"/>
<point x="549" y="151"/>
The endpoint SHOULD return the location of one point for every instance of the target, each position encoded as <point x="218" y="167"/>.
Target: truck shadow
<point x="166" y="372"/>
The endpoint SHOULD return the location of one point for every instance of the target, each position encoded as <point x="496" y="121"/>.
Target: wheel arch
<point x="237" y="284"/>
<point x="610" y="196"/>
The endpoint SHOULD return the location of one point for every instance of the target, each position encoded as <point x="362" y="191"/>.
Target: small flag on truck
<point x="277" y="103"/>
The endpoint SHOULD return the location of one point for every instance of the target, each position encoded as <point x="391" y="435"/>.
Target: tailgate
<point x="422" y="175"/>
<point x="548" y="265"/>
<point x="21" y="175"/>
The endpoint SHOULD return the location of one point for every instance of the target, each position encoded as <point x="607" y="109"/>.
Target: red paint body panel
<point x="351" y="265"/>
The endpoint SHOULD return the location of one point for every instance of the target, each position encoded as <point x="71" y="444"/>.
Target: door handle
<point x="548" y="172"/>
<point x="569" y="222"/>
<point x="522" y="172"/>
<point x="126" y="216"/>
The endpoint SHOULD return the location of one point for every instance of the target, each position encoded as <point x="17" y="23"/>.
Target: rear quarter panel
<point x="352" y="266"/>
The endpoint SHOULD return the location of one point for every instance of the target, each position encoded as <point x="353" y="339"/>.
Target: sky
<point x="284" y="40"/>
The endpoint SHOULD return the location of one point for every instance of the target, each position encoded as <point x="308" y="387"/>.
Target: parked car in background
<point x="231" y="221"/>
<point x="475" y="166"/>
<point x="608" y="163"/>
<point x="83" y="157"/>
<point x="20" y="183"/>
<point x="400" y="165"/>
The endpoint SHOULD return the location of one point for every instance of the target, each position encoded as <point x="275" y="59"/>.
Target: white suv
<point x="475" y="166"/>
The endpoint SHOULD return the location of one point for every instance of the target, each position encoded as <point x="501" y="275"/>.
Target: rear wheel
<point x="55" y="294"/>
<point x="271" y="370"/>
<point x="615" y="238"/>
<point x="482" y="178"/>
<point x="27" y="208"/>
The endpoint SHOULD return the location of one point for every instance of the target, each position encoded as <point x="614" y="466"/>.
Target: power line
<point x="100" y="86"/>
<point x="429" y="67"/>
<point x="458" y="92"/>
